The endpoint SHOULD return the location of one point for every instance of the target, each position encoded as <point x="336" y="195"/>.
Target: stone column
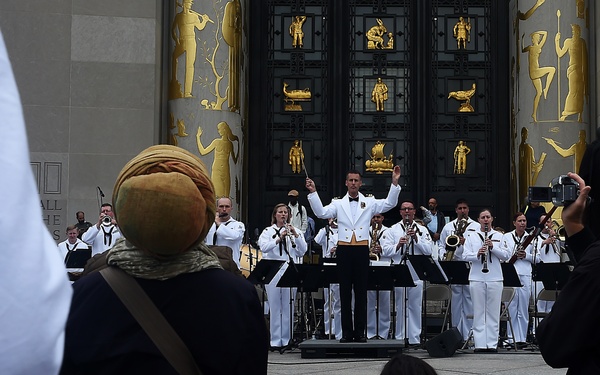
<point x="207" y="105"/>
<point x="550" y="59"/>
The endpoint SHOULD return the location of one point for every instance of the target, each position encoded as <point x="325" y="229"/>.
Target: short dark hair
<point x="106" y="205"/>
<point x="461" y="201"/>
<point x="353" y="171"/>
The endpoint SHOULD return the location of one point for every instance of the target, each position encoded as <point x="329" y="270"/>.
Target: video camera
<point x="564" y="191"/>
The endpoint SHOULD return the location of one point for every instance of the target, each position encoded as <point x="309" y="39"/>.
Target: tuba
<point x="453" y="240"/>
<point x="375" y="228"/>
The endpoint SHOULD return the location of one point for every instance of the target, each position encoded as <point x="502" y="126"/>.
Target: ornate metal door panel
<point x="369" y="84"/>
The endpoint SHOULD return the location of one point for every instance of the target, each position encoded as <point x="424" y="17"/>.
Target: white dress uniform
<point x="382" y="329"/>
<point x="461" y="306"/>
<point x="101" y="239"/>
<point x="519" y="306"/>
<point x="546" y="253"/>
<point x="280" y="299"/>
<point x="328" y="240"/>
<point x="229" y="233"/>
<point x="486" y="288"/>
<point x="411" y="297"/>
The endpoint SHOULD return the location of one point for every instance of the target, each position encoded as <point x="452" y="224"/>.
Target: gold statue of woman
<point x="232" y="34"/>
<point x="538" y="39"/>
<point x="223" y="148"/>
<point x="529" y="169"/>
<point x="183" y="33"/>
<point x="576" y="150"/>
<point x="577" y="72"/>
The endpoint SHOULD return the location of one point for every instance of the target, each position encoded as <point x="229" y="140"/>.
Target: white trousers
<point x="373" y="329"/>
<point x="281" y="304"/>
<point x="412" y="318"/>
<point x="486" y="296"/>
<point x="462" y="307"/>
<point x="332" y="297"/>
<point x="519" y="310"/>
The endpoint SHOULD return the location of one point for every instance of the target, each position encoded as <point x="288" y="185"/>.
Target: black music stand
<point x="428" y="270"/>
<point x="510" y="276"/>
<point x="380" y="278"/>
<point x="306" y="278"/>
<point x="456" y="271"/>
<point x="265" y="271"/>
<point x="554" y="276"/>
<point x="329" y="275"/>
<point x="77" y="258"/>
<point x="402" y="279"/>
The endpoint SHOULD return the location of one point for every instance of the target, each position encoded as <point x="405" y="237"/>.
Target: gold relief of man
<point x="536" y="73"/>
<point x="462" y="32"/>
<point x="296" y="31"/>
<point x="296" y="156"/>
<point x="375" y="35"/>
<point x="460" y="157"/>
<point x="577" y="72"/>
<point x="529" y="169"/>
<point x="184" y="35"/>
<point x="232" y="34"/>
<point x="576" y="150"/>
<point x="379" y="95"/>
<point x="223" y="149"/>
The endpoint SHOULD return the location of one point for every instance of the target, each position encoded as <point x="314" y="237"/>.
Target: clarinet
<point x="484" y="257"/>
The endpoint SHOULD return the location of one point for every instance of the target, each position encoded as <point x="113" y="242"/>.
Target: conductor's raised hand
<point x="396" y="175"/>
<point x="310" y="185"/>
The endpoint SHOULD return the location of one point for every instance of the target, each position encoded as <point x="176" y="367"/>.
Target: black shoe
<point x="522" y="345"/>
<point x="360" y="339"/>
<point x="274" y="348"/>
<point x="485" y="350"/>
<point x="345" y="340"/>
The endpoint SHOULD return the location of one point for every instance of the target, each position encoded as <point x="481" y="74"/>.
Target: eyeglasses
<point x="406" y="209"/>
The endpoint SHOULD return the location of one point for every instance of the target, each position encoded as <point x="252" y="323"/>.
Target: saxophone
<point x="375" y="228"/>
<point x="453" y="240"/>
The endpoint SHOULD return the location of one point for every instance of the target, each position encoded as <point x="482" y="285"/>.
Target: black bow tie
<point x="353" y="199"/>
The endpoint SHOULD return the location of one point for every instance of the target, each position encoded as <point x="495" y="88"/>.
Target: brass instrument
<point x="106" y="221"/>
<point x="484" y="257"/>
<point x="453" y="240"/>
<point x="375" y="229"/>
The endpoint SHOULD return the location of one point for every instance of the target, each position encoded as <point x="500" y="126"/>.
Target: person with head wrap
<point x="164" y="202"/>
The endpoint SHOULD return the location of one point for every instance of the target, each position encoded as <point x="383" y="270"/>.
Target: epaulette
<point x="335" y="198"/>
<point x="369" y="195"/>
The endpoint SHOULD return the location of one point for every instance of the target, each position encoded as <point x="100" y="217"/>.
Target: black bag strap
<point x="152" y="320"/>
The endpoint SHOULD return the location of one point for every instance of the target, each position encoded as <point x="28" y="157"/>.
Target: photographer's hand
<point x="572" y="216"/>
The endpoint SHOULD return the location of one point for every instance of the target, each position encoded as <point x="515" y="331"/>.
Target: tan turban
<point x="164" y="200"/>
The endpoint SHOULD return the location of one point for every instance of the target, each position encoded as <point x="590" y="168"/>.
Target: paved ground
<point x="462" y="362"/>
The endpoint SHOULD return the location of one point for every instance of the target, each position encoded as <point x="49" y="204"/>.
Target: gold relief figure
<point x="462" y="32"/>
<point x="183" y="33"/>
<point x="223" y="148"/>
<point x="232" y="34"/>
<point x="296" y="31"/>
<point x="529" y="169"/>
<point x="390" y="43"/>
<point x="295" y="157"/>
<point x="580" y="4"/>
<point x="538" y="39"/>
<point x="577" y="74"/>
<point x="576" y="150"/>
<point x="464" y="95"/>
<point x="522" y="17"/>
<point x="379" y="163"/>
<point x="181" y="129"/>
<point x="460" y="157"/>
<point x="375" y="35"/>
<point x="379" y="95"/>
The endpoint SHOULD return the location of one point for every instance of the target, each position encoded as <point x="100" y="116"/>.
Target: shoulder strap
<point x="152" y="321"/>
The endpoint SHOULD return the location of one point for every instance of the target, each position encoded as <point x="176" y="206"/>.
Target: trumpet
<point x="484" y="257"/>
<point x="106" y="221"/>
